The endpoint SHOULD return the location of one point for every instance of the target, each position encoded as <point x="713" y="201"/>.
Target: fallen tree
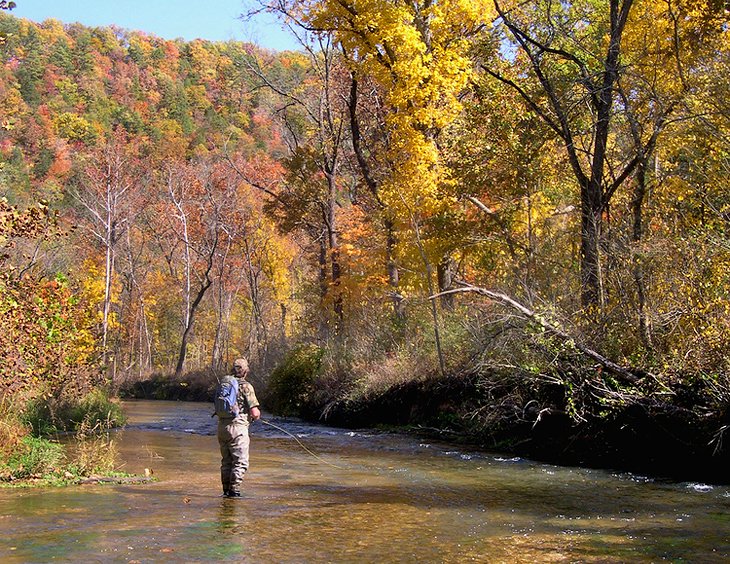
<point x="626" y="375"/>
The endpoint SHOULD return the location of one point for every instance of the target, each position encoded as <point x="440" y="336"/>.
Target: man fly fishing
<point x="236" y="406"/>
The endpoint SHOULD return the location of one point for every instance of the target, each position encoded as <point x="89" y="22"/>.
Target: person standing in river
<point x="233" y="431"/>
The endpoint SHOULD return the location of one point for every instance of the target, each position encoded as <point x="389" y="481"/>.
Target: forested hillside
<point x="146" y="149"/>
<point x="516" y="216"/>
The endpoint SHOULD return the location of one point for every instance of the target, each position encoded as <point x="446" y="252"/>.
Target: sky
<point x="215" y="20"/>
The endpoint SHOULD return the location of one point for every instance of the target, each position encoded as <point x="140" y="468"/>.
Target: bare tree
<point x="110" y="183"/>
<point x="195" y="218"/>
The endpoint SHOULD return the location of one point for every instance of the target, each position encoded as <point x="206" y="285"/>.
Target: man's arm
<point x="249" y="396"/>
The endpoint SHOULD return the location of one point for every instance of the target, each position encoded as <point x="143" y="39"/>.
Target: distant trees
<point x="232" y="200"/>
<point x="124" y="133"/>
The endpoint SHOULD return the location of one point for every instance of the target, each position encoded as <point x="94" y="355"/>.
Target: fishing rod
<point x="300" y="443"/>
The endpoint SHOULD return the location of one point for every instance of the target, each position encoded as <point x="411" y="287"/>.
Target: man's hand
<point x="255" y="413"/>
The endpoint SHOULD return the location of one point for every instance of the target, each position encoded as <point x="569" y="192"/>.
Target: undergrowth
<point x="57" y="442"/>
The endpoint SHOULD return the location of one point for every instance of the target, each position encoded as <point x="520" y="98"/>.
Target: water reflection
<point x="391" y="498"/>
<point x="227" y="517"/>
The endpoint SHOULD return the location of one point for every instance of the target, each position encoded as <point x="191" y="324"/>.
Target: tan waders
<point x="233" y="440"/>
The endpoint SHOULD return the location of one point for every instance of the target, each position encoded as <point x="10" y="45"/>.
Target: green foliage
<point x="292" y="382"/>
<point x="36" y="457"/>
<point x="46" y="416"/>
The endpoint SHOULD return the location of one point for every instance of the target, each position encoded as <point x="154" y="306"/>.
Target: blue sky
<point x="216" y="20"/>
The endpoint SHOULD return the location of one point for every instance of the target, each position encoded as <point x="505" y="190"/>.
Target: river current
<point x="354" y="496"/>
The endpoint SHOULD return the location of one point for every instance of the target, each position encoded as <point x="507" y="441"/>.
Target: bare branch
<point x="626" y="375"/>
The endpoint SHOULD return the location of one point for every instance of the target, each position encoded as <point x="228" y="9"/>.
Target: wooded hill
<point x="523" y="206"/>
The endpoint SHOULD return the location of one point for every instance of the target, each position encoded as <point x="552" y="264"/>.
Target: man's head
<point x="240" y="367"/>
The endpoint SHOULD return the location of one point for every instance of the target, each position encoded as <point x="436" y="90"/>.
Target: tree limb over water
<point x="626" y="375"/>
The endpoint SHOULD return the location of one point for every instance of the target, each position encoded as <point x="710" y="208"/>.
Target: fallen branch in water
<point x="626" y="375"/>
<point x="116" y="480"/>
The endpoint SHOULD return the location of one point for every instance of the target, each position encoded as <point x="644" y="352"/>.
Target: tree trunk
<point x="323" y="286"/>
<point x="334" y="251"/>
<point x="601" y="89"/>
<point x="372" y="184"/>
<point x="221" y="330"/>
<point x="445" y="274"/>
<point x="637" y="265"/>
<point x="187" y="333"/>
<point x="396" y="297"/>
<point x="108" y="275"/>
<point x="107" y="301"/>
<point x="429" y="285"/>
<point x="258" y="331"/>
<point x="590" y="258"/>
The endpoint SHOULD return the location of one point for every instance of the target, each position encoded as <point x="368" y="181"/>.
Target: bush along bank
<point x="577" y="418"/>
<point x="33" y="454"/>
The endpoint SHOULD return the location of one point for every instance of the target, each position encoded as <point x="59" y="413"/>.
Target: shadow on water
<point x="390" y="498"/>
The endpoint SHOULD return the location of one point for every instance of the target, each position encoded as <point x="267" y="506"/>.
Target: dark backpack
<point x="226" y="398"/>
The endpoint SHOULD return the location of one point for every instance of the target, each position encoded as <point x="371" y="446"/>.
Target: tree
<point x="108" y="191"/>
<point x="193" y="218"/>
<point x="509" y="173"/>
<point x="314" y="117"/>
<point x="416" y="55"/>
<point x="594" y="82"/>
<point x="568" y="79"/>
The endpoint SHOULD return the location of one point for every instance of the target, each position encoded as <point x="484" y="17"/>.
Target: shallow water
<point x="369" y="497"/>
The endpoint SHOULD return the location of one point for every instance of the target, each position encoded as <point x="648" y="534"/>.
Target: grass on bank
<point x="55" y="443"/>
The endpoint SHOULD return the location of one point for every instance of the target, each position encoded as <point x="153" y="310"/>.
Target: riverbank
<point x="59" y="442"/>
<point x="662" y="439"/>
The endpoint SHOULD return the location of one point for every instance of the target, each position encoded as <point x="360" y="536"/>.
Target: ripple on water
<point x="513" y="459"/>
<point x="702" y="488"/>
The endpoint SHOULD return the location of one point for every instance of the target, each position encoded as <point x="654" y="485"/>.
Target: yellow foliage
<point x="74" y="127"/>
<point x="204" y="62"/>
<point x="417" y="54"/>
<point x="91" y="282"/>
<point x="91" y="290"/>
<point x="196" y="96"/>
<point x="172" y="143"/>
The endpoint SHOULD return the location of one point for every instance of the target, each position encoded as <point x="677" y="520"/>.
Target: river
<point x="365" y="497"/>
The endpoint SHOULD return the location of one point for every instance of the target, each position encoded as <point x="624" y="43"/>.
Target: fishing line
<point x="300" y="443"/>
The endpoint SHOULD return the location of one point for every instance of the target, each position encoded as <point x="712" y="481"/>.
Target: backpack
<point x="226" y="398"/>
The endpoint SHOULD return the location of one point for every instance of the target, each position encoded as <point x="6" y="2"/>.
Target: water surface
<point x="369" y="497"/>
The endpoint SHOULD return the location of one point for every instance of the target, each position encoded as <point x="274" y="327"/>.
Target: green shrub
<point x="97" y="408"/>
<point x="35" y="457"/>
<point x="39" y="417"/>
<point x="46" y="417"/>
<point x="292" y="382"/>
